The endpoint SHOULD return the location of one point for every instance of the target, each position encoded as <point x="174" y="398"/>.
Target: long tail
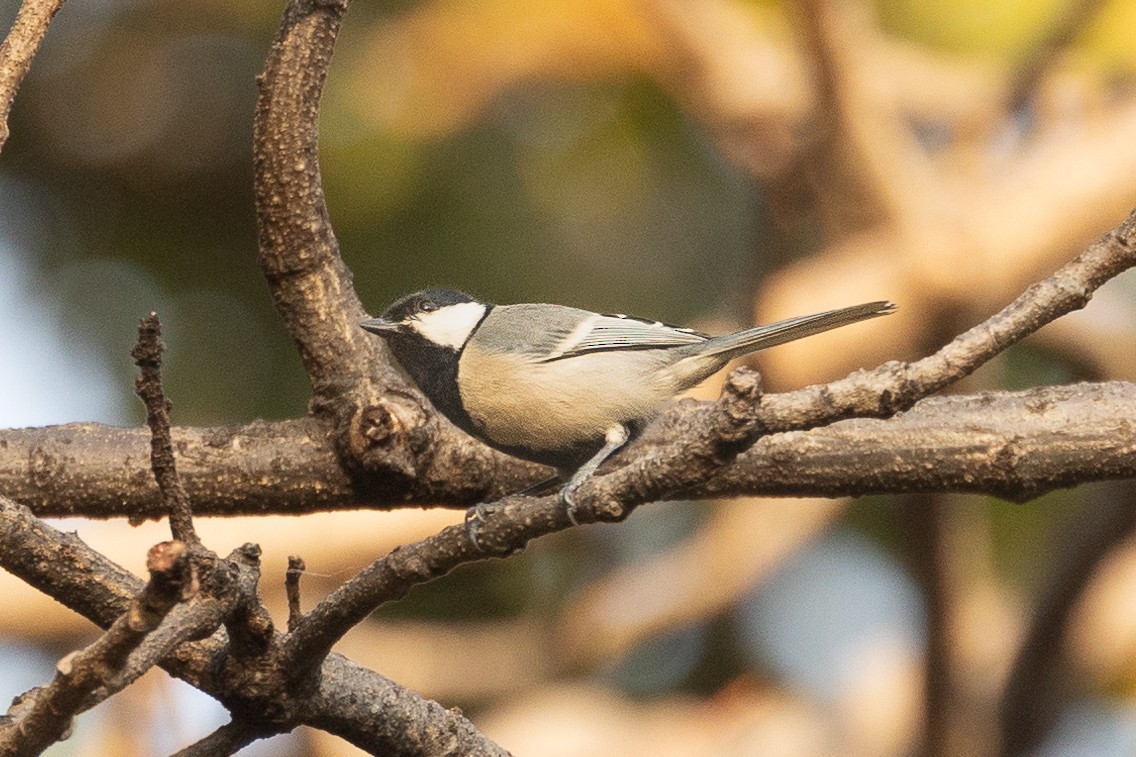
<point x="742" y="342"/>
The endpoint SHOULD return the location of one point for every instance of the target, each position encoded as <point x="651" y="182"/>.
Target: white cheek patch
<point x="450" y="326"/>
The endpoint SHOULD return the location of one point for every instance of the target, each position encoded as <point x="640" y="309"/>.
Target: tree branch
<point x="343" y="700"/>
<point x="283" y="468"/>
<point x="18" y="49"/>
<point x="147" y="354"/>
<point x="311" y="286"/>
<point x="710" y="443"/>
<point x="42" y="715"/>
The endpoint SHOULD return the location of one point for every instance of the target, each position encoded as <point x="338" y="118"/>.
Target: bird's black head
<point x="427" y="331"/>
<point x="441" y="317"/>
<point x="426" y="301"/>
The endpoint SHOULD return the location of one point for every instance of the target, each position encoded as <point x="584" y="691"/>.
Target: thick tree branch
<point x="311" y="286"/>
<point x="381" y="429"/>
<point x="1032" y="442"/>
<point x="260" y="468"/>
<point x="18" y="49"/>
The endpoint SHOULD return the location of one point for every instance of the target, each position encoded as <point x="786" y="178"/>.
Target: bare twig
<point x="249" y="625"/>
<point x="147" y="354"/>
<point x="190" y="621"/>
<point x="296" y="568"/>
<point x="45" y="714"/>
<point x="228" y="739"/>
<point x="18" y="49"/>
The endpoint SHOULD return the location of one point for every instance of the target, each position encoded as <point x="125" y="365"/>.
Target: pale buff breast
<point x="547" y="406"/>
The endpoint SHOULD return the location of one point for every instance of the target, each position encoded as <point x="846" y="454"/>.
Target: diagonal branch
<point x="692" y="458"/>
<point x="882" y="392"/>
<point x="18" y="49"/>
<point x="42" y="715"/>
<point x="228" y="739"/>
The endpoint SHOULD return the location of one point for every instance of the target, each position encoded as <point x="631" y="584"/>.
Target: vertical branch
<point x="384" y="433"/>
<point x="18" y="49"/>
<point x="924" y="525"/>
<point x="296" y="568"/>
<point x="1033" y="690"/>
<point x="311" y="286"/>
<point x="147" y="354"/>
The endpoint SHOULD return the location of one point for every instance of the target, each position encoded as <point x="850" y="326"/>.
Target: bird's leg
<point x="614" y="438"/>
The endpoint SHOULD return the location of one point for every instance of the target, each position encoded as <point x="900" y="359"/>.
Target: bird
<point x="560" y="385"/>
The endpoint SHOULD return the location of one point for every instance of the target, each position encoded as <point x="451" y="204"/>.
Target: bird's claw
<point x="474" y="519"/>
<point x="568" y="501"/>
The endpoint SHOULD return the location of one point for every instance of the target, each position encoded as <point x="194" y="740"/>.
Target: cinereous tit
<point x="559" y="385"/>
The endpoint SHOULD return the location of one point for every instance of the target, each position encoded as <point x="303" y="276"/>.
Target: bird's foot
<point x="475" y="518"/>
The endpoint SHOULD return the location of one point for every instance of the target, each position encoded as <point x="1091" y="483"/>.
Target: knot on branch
<point x="172" y="580"/>
<point x="389" y="436"/>
<point x="900" y="391"/>
<point x="738" y="410"/>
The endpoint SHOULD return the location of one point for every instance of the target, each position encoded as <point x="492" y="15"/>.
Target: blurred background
<point x="704" y="162"/>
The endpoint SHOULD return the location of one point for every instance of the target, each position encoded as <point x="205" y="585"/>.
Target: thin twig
<point x="186" y="622"/>
<point x="147" y="354"/>
<point x="45" y="714"/>
<point x="18" y="49"/>
<point x="296" y="568"/>
<point x="228" y="739"/>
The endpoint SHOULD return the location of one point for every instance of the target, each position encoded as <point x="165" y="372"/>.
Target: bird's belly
<point x="551" y="412"/>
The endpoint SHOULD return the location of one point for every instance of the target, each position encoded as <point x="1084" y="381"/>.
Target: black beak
<point x="381" y="326"/>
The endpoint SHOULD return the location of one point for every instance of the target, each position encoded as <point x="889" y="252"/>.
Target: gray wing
<point x="607" y="333"/>
<point x="554" y="332"/>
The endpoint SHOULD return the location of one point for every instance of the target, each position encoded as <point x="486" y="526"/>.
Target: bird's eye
<point x="428" y="307"/>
